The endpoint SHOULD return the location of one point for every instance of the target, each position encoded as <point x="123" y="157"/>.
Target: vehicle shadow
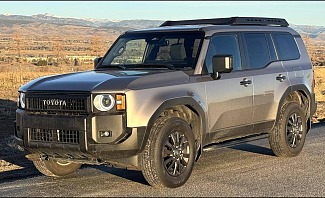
<point x="318" y="124"/>
<point x="132" y="175"/>
<point x="248" y="147"/>
<point x="17" y="174"/>
<point x="253" y="149"/>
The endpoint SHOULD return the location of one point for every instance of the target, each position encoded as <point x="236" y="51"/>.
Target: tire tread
<point x="275" y="138"/>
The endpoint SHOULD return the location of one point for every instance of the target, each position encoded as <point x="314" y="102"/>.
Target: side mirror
<point x="221" y="64"/>
<point x="96" y="61"/>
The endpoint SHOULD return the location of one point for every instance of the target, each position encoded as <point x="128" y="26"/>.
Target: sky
<point x="295" y="12"/>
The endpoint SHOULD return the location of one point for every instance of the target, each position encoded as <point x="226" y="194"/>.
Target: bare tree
<point x="18" y="44"/>
<point x="57" y="48"/>
<point x="96" y="46"/>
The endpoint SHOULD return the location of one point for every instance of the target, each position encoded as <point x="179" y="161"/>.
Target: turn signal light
<point x="120" y="102"/>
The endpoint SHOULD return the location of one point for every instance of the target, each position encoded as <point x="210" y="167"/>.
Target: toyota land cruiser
<point x="160" y="95"/>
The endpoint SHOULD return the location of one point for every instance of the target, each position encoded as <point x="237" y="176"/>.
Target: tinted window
<point x="286" y="46"/>
<point x="257" y="50"/>
<point x="271" y="47"/>
<point x="223" y="45"/>
<point x="154" y="50"/>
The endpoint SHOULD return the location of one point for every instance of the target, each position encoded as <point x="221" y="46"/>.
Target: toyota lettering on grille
<point x="54" y="102"/>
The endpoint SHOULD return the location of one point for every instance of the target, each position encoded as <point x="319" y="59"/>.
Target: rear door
<point x="269" y="76"/>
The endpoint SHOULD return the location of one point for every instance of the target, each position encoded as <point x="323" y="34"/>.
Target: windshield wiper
<point x="112" y="66"/>
<point x="156" y="65"/>
<point x="145" y="65"/>
<point x="166" y="65"/>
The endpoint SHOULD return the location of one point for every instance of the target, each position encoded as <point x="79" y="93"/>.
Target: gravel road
<point x="245" y="170"/>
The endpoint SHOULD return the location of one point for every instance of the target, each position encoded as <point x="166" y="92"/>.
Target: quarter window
<point x="286" y="46"/>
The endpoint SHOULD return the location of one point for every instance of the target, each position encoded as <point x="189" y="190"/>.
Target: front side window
<point x="176" y="50"/>
<point x="223" y="45"/>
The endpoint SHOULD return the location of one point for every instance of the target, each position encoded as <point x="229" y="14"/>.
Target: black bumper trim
<point x="127" y="148"/>
<point x="313" y="105"/>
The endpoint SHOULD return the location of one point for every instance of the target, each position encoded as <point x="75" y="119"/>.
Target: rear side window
<point x="257" y="50"/>
<point x="286" y="46"/>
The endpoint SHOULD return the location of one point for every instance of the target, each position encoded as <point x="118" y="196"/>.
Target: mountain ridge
<point x="9" y="20"/>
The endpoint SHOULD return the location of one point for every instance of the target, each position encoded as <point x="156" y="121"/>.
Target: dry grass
<point x="320" y="93"/>
<point x="13" y="77"/>
<point x="9" y="84"/>
<point x="10" y="81"/>
<point x="320" y="83"/>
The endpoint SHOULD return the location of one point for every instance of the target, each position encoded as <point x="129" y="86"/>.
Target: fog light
<point x="105" y="133"/>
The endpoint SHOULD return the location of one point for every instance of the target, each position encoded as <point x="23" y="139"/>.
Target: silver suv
<point x="161" y="95"/>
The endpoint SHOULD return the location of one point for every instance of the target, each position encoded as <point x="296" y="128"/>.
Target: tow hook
<point x="33" y="157"/>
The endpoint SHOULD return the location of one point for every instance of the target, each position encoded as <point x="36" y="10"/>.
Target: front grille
<point x="54" y="135"/>
<point x="66" y="104"/>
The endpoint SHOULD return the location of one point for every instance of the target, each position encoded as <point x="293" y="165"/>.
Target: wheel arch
<point x="187" y="105"/>
<point x="300" y="94"/>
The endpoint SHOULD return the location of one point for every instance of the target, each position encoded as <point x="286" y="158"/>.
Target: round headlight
<point x="22" y="100"/>
<point x="104" y="102"/>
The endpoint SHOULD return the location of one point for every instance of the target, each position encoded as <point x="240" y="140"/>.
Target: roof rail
<point x="231" y="21"/>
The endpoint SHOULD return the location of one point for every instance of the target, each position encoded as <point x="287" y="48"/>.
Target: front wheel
<point x="168" y="158"/>
<point x="288" y="136"/>
<point x="56" y="168"/>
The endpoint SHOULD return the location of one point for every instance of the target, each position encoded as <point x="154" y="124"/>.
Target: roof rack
<point x="231" y="21"/>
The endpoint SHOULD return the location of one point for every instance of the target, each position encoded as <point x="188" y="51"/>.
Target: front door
<point x="229" y="98"/>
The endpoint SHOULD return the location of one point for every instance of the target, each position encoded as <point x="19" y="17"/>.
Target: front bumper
<point x="78" y="137"/>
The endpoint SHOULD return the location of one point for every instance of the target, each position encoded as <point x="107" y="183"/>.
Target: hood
<point x="108" y="80"/>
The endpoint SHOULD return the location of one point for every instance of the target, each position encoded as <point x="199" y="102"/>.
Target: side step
<point x="230" y="143"/>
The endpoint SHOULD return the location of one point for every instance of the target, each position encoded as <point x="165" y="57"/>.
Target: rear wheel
<point x="56" y="168"/>
<point x="288" y="136"/>
<point x="168" y="158"/>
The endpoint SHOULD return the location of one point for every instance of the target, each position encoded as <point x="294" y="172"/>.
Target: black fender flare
<point x="298" y="87"/>
<point x="188" y="101"/>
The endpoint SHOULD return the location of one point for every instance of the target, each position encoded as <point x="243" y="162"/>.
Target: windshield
<point x="170" y="50"/>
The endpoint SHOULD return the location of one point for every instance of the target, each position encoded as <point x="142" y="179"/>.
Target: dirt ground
<point x="12" y="157"/>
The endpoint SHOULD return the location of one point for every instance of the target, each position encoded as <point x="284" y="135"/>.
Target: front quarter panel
<point x="142" y="104"/>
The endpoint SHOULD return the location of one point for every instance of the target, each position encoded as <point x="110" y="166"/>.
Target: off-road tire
<point x="153" y="167"/>
<point x="55" y="168"/>
<point x="279" y="137"/>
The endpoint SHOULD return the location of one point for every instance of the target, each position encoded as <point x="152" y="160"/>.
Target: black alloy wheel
<point x="176" y="153"/>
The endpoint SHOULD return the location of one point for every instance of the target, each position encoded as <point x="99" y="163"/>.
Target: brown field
<point x="11" y="79"/>
<point x="320" y="83"/>
<point x="320" y="93"/>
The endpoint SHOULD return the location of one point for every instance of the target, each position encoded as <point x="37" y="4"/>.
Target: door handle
<point x="281" y="78"/>
<point x="245" y="82"/>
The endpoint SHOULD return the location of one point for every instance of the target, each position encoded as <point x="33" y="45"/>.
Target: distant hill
<point x="49" y="24"/>
<point x="8" y="20"/>
<point x="312" y="31"/>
